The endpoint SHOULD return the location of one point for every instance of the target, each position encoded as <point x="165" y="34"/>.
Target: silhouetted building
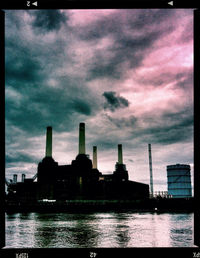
<point x="80" y="180"/>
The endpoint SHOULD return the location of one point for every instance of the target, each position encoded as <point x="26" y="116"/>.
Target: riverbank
<point x="154" y="204"/>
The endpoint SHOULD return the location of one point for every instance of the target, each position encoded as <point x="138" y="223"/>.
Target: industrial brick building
<point x="79" y="181"/>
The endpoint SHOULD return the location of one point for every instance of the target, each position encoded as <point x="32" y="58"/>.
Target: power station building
<point x="81" y="180"/>
<point x="179" y="181"/>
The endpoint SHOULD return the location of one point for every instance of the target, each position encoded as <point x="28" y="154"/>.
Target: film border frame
<point x="91" y="252"/>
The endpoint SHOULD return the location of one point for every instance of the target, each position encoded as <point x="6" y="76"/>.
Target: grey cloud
<point x="82" y="107"/>
<point x="130" y="48"/>
<point x="170" y="128"/>
<point x="100" y="70"/>
<point x="122" y="20"/>
<point x="104" y="143"/>
<point x="20" y="157"/>
<point x="151" y="17"/>
<point x="32" y="62"/>
<point x="125" y="49"/>
<point x="98" y="29"/>
<point x="187" y="82"/>
<point x="29" y="67"/>
<point x="183" y="118"/>
<point x="124" y="122"/>
<point x="48" y="20"/>
<point x="113" y="101"/>
<point x="49" y="106"/>
<point x="171" y="134"/>
<point x="182" y="79"/>
<point x="187" y="33"/>
<point x="23" y="69"/>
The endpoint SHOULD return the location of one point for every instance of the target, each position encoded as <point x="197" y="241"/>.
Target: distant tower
<point x="49" y="142"/>
<point x="47" y="167"/>
<point x="23" y="177"/>
<point x="120" y="173"/>
<point x="81" y="138"/>
<point x="82" y="165"/>
<point x="151" y="172"/>
<point x="179" y="181"/>
<point x="15" y="178"/>
<point x="95" y="157"/>
<point x="120" y="156"/>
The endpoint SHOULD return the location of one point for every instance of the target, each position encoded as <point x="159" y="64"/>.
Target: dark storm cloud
<point x="113" y="101"/>
<point x="48" y="20"/>
<point x="49" y="106"/>
<point x="170" y="135"/>
<point x="126" y="49"/>
<point x="24" y="69"/>
<point x="52" y="58"/>
<point x="124" y="122"/>
<point x="182" y="79"/>
<point x="169" y="128"/>
<point x="99" y="28"/>
<point x="20" y="157"/>
<point x="105" y="143"/>
<point x="129" y="47"/>
<point x="187" y="34"/>
<point x="187" y="82"/>
<point x="30" y="65"/>
<point x="151" y="17"/>
<point x="100" y="70"/>
<point x="120" y="21"/>
<point x="82" y="107"/>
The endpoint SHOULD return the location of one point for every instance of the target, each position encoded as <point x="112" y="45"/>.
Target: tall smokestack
<point x="49" y="142"/>
<point x="23" y="177"/>
<point x="15" y="178"/>
<point x="81" y="138"/>
<point x="150" y="168"/>
<point x="120" y="159"/>
<point x="95" y="157"/>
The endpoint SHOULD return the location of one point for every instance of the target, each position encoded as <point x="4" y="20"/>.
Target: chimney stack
<point x="49" y="142"/>
<point x="150" y="168"/>
<point x="120" y="159"/>
<point x="81" y="138"/>
<point x="23" y="177"/>
<point x="95" y="157"/>
<point x="15" y="178"/>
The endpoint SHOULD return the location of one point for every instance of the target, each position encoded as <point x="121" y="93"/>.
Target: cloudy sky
<point x="128" y="74"/>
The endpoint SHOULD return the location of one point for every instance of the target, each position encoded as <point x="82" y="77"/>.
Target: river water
<point x="102" y="229"/>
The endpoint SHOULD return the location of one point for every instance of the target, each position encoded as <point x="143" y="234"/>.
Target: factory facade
<point x="81" y="180"/>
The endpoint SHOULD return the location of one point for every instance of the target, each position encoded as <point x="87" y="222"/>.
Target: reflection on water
<point x="125" y="229"/>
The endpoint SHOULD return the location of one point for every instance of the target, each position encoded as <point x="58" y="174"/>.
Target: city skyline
<point x="127" y="74"/>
